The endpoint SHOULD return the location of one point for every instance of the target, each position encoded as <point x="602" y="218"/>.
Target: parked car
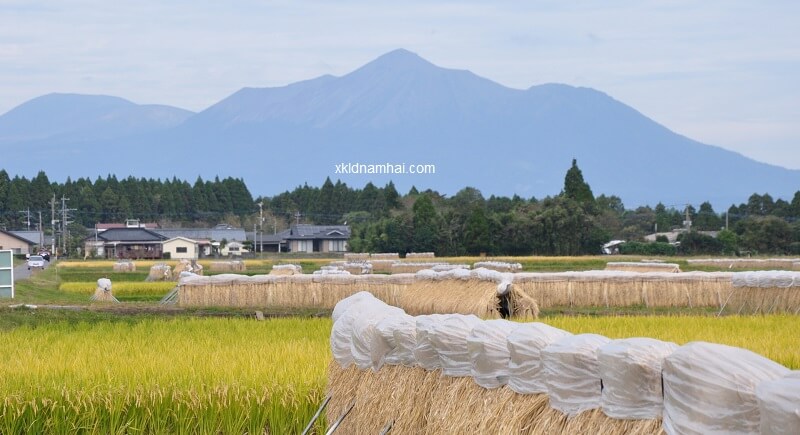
<point x="35" y="261"/>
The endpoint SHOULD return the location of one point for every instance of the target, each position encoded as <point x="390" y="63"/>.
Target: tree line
<point x="111" y="200"/>
<point x="573" y="222"/>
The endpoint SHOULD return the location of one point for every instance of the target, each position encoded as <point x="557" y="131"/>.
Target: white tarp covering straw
<point x="525" y="344"/>
<point x="779" y="405"/>
<point x="631" y="372"/>
<point x="449" y="338"/>
<point x="488" y="350"/>
<point x="572" y="373"/>
<point x="710" y="388"/>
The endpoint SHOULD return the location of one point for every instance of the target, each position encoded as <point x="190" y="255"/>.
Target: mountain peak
<point x="400" y="59"/>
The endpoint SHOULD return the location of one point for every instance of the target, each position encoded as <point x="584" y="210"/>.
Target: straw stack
<point x="648" y="266"/>
<point x="124" y="266"/>
<point x="228" y="266"/>
<point x="746" y="263"/>
<point x="499" y="266"/>
<point x="103" y="291"/>
<point x="160" y="272"/>
<point x="418" y="255"/>
<point x="286" y="269"/>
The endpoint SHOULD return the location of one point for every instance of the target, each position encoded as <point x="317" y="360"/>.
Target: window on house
<point x="336" y="245"/>
<point x="305" y="246"/>
<point x="234" y="249"/>
<point x="181" y="250"/>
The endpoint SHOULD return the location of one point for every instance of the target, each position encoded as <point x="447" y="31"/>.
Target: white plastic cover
<point x="425" y="354"/>
<point x="710" y="388"/>
<point x="631" y="374"/>
<point x="488" y="350"/>
<point x="525" y="343"/>
<point x="779" y="405"/>
<point x="572" y="373"/>
<point x="345" y="303"/>
<point x="342" y="331"/>
<point x="367" y="343"/>
<point x="397" y="338"/>
<point x="104" y="283"/>
<point x="449" y="339"/>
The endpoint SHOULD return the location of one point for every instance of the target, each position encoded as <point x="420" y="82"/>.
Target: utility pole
<point x="260" y="227"/>
<point x="27" y="218"/>
<point x="688" y="222"/>
<point x="726" y="220"/>
<point x="41" y="231"/>
<point x="53" y="224"/>
<point x="297" y="217"/>
<point x="64" y="222"/>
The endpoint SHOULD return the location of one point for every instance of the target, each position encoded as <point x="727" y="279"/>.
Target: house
<point x="208" y="238"/>
<point x="305" y="238"/>
<point x="181" y="248"/>
<point x="129" y="223"/>
<point x="38" y="238"/>
<point x="15" y="243"/>
<point x="233" y="249"/>
<point x="125" y="243"/>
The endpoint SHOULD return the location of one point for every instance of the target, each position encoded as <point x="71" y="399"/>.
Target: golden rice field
<point x="120" y="289"/>
<point x="163" y="376"/>
<point x="241" y="376"/>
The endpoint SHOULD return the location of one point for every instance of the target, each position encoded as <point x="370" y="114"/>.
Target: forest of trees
<point x="572" y="222"/>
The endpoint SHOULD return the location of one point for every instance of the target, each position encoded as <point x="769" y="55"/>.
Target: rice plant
<point x="163" y="376"/>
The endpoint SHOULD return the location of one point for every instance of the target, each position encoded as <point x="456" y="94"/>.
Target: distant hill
<point x="398" y="108"/>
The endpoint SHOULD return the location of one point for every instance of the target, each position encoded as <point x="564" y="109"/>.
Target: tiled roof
<point x="129" y="235"/>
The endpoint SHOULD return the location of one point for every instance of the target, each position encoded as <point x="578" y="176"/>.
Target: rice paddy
<point x="156" y="374"/>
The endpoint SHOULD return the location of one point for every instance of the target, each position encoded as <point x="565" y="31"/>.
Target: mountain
<point x="398" y="109"/>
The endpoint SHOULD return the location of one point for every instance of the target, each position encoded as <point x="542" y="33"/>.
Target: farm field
<point x="137" y="367"/>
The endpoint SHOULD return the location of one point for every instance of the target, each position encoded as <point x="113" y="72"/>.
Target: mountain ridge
<point x="400" y="108"/>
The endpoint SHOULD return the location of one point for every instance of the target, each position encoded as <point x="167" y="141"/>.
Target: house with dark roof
<point x="129" y="243"/>
<point x="17" y="244"/>
<point x="304" y="238"/>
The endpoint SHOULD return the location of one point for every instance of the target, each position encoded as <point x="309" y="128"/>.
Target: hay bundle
<point x="425" y="399"/>
<point x="407" y="267"/>
<point x="499" y="266"/>
<point x="103" y="291"/>
<point x="425" y="402"/>
<point x="228" y="266"/>
<point x="385" y="256"/>
<point x="572" y="373"/>
<point x="356" y="256"/>
<point x="183" y="265"/>
<point x="766" y="291"/>
<point x="382" y="266"/>
<point x="778" y="405"/>
<point x="159" y="272"/>
<point x="643" y="266"/>
<point x="124" y="266"/>
<point x="746" y="263"/>
<point x="710" y="388"/>
<point x="357" y="267"/>
<point x="631" y="373"/>
<point x="417" y="255"/>
<point x="286" y="269"/>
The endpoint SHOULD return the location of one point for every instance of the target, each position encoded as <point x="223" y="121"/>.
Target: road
<point x="22" y="272"/>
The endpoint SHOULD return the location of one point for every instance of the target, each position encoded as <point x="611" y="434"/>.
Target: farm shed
<point x="181" y="248"/>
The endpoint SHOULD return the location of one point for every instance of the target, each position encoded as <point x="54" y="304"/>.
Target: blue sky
<point x="725" y="73"/>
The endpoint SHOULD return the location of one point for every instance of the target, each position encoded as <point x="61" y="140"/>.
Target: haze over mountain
<point x="396" y="109"/>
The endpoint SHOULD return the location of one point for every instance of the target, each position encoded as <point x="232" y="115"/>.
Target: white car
<point x="35" y="261"/>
